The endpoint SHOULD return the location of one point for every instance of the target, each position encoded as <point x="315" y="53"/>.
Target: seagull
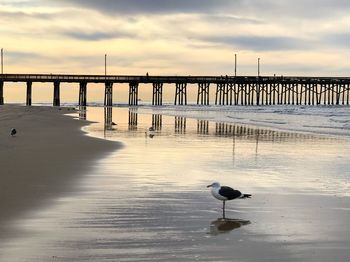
<point x="225" y="193"/>
<point x="13" y="132"/>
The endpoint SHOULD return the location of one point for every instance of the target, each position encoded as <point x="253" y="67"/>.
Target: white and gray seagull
<point x="225" y="193"/>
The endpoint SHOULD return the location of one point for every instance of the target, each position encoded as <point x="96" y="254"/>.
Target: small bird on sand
<point x="225" y="193"/>
<point x="13" y="132"/>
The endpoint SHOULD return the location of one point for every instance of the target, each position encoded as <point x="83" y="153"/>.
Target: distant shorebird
<point x="13" y="132"/>
<point x="225" y="193"/>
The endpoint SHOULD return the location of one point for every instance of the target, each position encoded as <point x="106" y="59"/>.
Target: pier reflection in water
<point x="108" y="120"/>
<point x="202" y="127"/>
<point x="157" y="122"/>
<point x="133" y="116"/>
<point x="180" y="125"/>
<point x="82" y="112"/>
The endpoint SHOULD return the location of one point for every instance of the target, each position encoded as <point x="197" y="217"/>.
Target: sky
<point x="176" y="37"/>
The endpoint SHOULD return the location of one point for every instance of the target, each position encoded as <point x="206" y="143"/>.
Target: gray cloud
<point x="257" y="8"/>
<point x="337" y="39"/>
<point x="21" y="55"/>
<point x="229" y="19"/>
<point x="15" y="57"/>
<point x="154" y="6"/>
<point x="258" y="43"/>
<point x="95" y="36"/>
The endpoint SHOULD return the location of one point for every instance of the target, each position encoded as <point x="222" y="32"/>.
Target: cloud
<point x="261" y="43"/>
<point x="308" y="9"/>
<point x="13" y="57"/>
<point x="154" y="6"/>
<point x="95" y="36"/>
<point x="15" y="15"/>
<point x="337" y="39"/>
<point x="227" y="19"/>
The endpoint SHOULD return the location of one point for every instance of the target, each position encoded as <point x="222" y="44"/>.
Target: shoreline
<point x="45" y="158"/>
<point x="320" y="121"/>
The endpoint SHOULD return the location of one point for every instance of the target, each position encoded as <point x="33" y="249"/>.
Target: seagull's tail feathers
<point x="245" y="196"/>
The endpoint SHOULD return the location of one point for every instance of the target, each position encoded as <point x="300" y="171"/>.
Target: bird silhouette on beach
<point x="225" y="193"/>
<point x="13" y="132"/>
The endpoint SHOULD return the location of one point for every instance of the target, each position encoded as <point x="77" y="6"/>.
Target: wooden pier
<point x="229" y="90"/>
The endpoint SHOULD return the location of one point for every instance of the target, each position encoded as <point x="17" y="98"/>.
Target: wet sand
<point x="49" y="152"/>
<point x="149" y="201"/>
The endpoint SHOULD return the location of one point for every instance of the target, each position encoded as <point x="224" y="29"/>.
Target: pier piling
<point x="157" y="98"/>
<point x="181" y="94"/>
<point x="133" y="94"/>
<point x="108" y="100"/>
<point x="1" y="92"/>
<point x="56" y="94"/>
<point x="203" y="94"/>
<point x="29" y="93"/>
<point x="82" y="93"/>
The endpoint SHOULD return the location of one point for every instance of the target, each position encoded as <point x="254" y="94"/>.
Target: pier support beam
<point x="157" y="98"/>
<point x="230" y="93"/>
<point x="203" y="94"/>
<point x="56" y="94"/>
<point x="133" y="94"/>
<point x="82" y="93"/>
<point x="1" y="92"/>
<point x="181" y="94"/>
<point x="29" y="93"/>
<point x="108" y="101"/>
<point x="221" y="97"/>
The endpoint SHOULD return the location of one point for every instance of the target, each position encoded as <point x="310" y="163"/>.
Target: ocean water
<point x="148" y="201"/>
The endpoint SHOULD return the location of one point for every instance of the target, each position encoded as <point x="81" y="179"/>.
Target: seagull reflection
<point x="225" y="225"/>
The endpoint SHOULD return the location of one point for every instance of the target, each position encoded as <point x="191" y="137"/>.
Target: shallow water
<point x="149" y="201"/>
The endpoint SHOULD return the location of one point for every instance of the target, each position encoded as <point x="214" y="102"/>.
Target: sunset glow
<point x="176" y="37"/>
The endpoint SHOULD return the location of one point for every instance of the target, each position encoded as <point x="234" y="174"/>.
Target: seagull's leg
<point x="223" y="209"/>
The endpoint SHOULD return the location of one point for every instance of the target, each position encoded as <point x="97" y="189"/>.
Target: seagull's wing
<point x="229" y="192"/>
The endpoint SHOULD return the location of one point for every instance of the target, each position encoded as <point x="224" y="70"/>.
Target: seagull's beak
<point x="209" y="185"/>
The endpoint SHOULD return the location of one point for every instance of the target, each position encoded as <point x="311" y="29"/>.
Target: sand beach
<point x="46" y="156"/>
<point x="90" y="199"/>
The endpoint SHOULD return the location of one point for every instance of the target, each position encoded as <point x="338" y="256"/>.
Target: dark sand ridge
<point x="43" y="160"/>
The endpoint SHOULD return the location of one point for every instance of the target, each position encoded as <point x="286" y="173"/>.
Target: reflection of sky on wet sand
<point x="149" y="201"/>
